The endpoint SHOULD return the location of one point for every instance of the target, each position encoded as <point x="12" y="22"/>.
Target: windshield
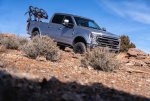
<point x="86" y="23"/>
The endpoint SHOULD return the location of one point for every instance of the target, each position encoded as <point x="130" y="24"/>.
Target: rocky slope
<point x="24" y="79"/>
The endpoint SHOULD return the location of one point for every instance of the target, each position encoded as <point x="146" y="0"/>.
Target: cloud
<point x="135" y="10"/>
<point x="140" y="17"/>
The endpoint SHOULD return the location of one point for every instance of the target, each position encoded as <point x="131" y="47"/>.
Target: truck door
<point x="67" y="32"/>
<point x="55" y="27"/>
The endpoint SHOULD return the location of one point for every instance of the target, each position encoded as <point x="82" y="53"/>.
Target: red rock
<point x="7" y="35"/>
<point x="147" y="61"/>
<point x="135" y="52"/>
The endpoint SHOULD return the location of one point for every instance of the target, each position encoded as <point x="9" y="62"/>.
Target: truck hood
<point x="101" y="32"/>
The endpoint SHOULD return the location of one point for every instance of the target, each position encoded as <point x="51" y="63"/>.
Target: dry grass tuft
<point x="101" y="59"/>
<point x="42" y="46"/>
<point x="12" y="42"/>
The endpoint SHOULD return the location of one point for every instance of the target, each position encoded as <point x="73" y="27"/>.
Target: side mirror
<point x="104" y="29"/>
<point x="67" y="24"/>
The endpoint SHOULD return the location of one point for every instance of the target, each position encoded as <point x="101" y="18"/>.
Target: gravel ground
<point x="26" y="79"/>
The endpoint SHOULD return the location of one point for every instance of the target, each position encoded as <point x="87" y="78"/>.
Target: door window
<point x="58" y="19"/>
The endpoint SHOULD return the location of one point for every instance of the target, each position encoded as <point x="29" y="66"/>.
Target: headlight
<point x="93" y="38"/>
<point x="96" y="33"/>
<point x="91" y="35"/>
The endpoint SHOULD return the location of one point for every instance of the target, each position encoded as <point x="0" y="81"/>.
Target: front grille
<point x="106" y="41"/>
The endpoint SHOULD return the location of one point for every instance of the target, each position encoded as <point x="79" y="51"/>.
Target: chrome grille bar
<point x="106" y="41"/>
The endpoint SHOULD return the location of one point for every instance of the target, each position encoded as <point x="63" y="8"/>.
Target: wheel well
<point x="79" y="39"/>
<point x="35" y="29"/>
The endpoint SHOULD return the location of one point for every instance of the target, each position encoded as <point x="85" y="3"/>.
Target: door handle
<point x="73" y="33"/>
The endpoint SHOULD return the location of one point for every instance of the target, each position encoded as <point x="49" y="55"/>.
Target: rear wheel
<point x="62" y="47"/>
<point x="35" y="33"/>
<point x="79" y="47"/>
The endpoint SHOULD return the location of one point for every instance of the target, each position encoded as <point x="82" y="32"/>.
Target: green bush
<point x="101" y="59"/>
<point x="42" y="46"/>
<point x="126" y="43"/>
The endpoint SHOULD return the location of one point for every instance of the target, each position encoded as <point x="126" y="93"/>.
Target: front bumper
<point x="112" y="43"/>
<point x="92" y="46"/>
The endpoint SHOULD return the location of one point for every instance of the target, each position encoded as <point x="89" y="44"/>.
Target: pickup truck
<point x="80" y="33"/>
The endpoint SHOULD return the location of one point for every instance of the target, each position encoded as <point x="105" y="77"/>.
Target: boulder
<point x="147" y="61"/>
<point x="133" y="52"/>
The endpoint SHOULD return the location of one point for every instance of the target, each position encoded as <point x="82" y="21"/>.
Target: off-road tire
<point x="35" y="33"/>
<point x="62" y="47"/>
<point x="79" y="47"/>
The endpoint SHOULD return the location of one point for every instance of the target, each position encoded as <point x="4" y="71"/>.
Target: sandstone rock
<point x="129" y="64"/>
<point x="139" y="63"/>
<point x="113" y="81"/>
<point x="7" y="35"/>
<point x="148" y="80"/>
<point x="133" y="52"/>
<point x="41" y="58"/>
<point x="141" y="57"/>
<point x="124" y="61"/>
<point x="2" y="48"/>
<point x="90" y="68"/>
<point x="25" y="75"/>
<point x="147" y="61"/>
<point x="122" y="56"/>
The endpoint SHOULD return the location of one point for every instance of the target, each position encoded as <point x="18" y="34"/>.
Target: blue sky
<point x="130" y="17"/>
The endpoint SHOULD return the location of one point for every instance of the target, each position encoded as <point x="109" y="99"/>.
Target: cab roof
<point x="72" y="15"/>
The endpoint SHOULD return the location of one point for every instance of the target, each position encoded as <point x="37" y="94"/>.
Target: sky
<point x="121" y="17"/>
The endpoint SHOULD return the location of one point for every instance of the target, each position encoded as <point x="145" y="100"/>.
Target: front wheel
<point x="79" y="47"/>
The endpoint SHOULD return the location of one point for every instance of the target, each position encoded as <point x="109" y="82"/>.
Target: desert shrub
<point x="1" y="39"/>
<point x="12" y="42"/>
<point x="53" y="55"/>
<point x="22" y="40"/>
<point x="42" y="46"/>
<point x="126" y="44"/>
<point x="100" y="59"/>
<point x="30" y="50"/>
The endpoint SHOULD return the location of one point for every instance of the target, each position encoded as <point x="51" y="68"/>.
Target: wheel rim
<point x="34" y="34"/>
<point x="79" y="49"/>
